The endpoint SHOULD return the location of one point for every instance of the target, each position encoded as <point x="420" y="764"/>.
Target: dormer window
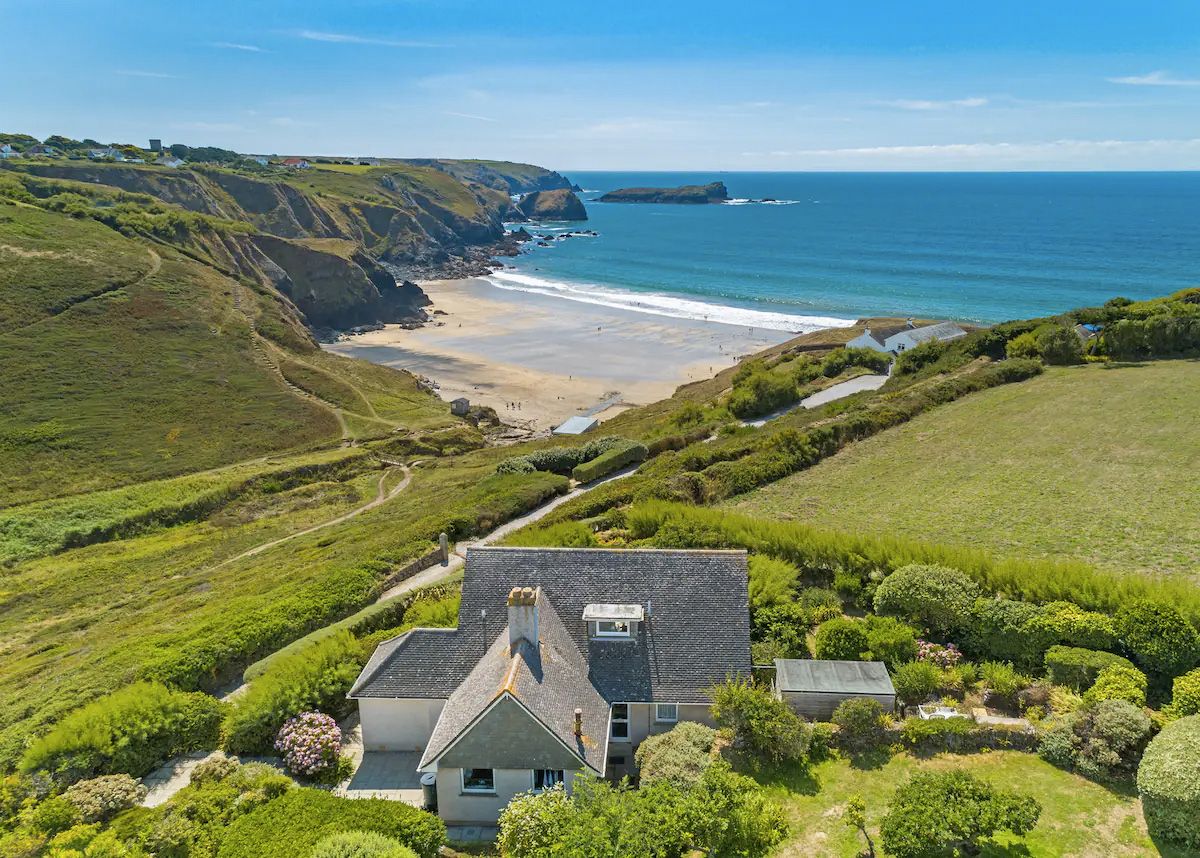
<point x="613" y="622"/>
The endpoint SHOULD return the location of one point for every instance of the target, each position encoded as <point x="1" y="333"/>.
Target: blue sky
<point x="624" y="85"/>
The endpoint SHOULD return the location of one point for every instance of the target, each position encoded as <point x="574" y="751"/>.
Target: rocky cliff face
<point x="561" y="204"/>
<point x="714" y="192"/>
<point x="506" y="176"/>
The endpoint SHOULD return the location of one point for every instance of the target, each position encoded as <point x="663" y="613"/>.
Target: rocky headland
<point x="559" y="204"/>
<point x="714" y="192"/>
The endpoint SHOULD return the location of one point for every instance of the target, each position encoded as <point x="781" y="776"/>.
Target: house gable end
<point x="507" y="736"/>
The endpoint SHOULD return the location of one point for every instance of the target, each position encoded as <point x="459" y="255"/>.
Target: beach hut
<point x="576" y="425"/>
<point x="459" y="407"/>
<point x="814" y="688"/>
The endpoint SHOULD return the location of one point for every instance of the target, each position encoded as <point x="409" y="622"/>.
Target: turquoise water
<point x="980" y="247"/>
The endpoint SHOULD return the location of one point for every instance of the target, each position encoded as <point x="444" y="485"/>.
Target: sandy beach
<point x="539" y="360"/>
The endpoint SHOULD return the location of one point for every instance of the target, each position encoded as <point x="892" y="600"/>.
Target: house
<point x="576" y="425"/>
<point x="874" y="338"/>
<point x="106" y="153"/>
<point x="1087" y="332"/>
<point x="814" y="688"/>
<point x="296" y="163"/>
<point x="367" y="162"/>
<point x="459" y="407"/>
<point x="170" y="161"/>
<point x="913" y="337"/>
<point x="7" y="151"/>
<point x="562" y="662"/>
<point x="261" y="160"/>
<point x="41" y="149"/>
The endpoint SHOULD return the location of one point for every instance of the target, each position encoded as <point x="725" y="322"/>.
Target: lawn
<point x="1094" y="463"/>
<point x="1079" y="817"/>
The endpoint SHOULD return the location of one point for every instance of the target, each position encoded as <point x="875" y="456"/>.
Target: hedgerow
<point x="625" y="453"/>
<point x="559" y="460"/>
<point x="1078" y="668"/>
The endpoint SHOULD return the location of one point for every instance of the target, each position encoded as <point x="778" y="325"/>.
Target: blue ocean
<point x="976" y="247"/>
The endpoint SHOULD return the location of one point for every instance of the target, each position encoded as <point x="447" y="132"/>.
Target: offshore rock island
<point x="714" y="192"/>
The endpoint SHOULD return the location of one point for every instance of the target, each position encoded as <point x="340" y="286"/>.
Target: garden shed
<point x="814" y="688"/>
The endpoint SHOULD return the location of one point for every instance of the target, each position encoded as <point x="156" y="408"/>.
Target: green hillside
<point x="1094" y="463"/>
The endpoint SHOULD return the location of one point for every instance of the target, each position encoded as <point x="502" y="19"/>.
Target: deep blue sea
<point x="979" y="247"/>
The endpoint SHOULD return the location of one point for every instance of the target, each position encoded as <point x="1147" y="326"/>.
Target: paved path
<point x="834" y="392"/>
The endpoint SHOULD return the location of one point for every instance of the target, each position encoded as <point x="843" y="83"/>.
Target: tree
<point x="841" y="639"/>
<point x="936" y="597"/>
<point x="855" y="816"/>
<point x="762" y="724"/>
<point x="937" y="813"/>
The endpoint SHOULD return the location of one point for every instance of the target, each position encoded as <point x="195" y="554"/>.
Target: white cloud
<point x="235" y="46"/>
<point x="1155" y="78"/>
<point x="351" y="39"/>
<point x="138" y="73"/>
<point x="926" y="104"/>
<point x="470" y="116"/>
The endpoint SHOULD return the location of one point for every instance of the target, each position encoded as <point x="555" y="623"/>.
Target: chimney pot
<point x="522" y="615"/>
<point x="578" y="722"/>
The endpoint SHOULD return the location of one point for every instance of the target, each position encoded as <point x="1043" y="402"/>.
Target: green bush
<point x="1078" y="668"/>
<point x="558" y="460"/>
<point x="293" y="824"/>
<point x="625" y="453"/>
<point x="860" y="723"/>
<point x="890" y="640"/>
<point x="942" y="733"/>
<point x="679" y="756"/>
<point x="360" y="844"/>
<point x="762" y="724"/>
<point x="916" y="681"/>
<point x="1003" y="682"/>
<point x="1118" y="682"/>
<point x="1168" y="781"/>
<point x="936" y="597"/>
<point x="1068" y="624"/>
<point x="129" y="731"/>
<point x="1058" y="344"/>
<point x="1102" y="741"/>
<point x="102" y="798"/>
<point x="1161" y="639"/>
<point x="757" y="391"/>
<point x="314" y="678"/>
<point x="1185" y="695"/>
<point x="53" y="815"/>
<point x="785" y="627"/>
<point x="939" y="813"/>
<point x="771" y="580"/>
<point x="1006" y="630"/>
<point x="1022" y="346"/>
<point x="841" y="639"/>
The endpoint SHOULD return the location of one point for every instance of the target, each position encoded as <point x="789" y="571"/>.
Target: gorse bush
<point x="129" y="731"/>
<point x="1168" y="781"/>
<point x="314" y="678"/>
<point x="1078" y="668"/>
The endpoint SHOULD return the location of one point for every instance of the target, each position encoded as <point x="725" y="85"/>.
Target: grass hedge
<point x="129" y="731"/>
<point x="293" y="824"/>
<point x="558" y="460"/>
<point x="1168" y="781"/>
<point x="625" y="453"/>
<point x="1077" y="667"/>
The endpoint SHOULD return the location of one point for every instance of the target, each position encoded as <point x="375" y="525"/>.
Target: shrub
<point x="625" y="453"/>
<point x="1159" y="637"/>
<point x="940" y="813"/>
<point x="763" y="725"/>
<point x="310" y="743"/>
<point x="295" y="822"/>
<point x="771" y="580"/>
<point x="53" y="815"/>
<point x="841" y="640"/>
<point x="1103" y="740"/>
<point x="785" y="626"/>
<point x="1185" y="695"/>
<point x="1004" y="630"/>
<point x="1168" y="780"/>
<point x="679" y="756"/>
<point x="936" y="597"/>
<point x="99" y="799"/>
<point x="860" y="723"/>
<point x="129" y="731"/>
<point x="1118" y="682"/>
<point x="1003" y="682"/>
<point x="760" y="391"/>
<point x="1067" y="623"/>
<point x="360" y="844"/>
<point x="890" y="640"/>
<point x="944" y="656"/>
<point x="1078" y="668"/>
<point x="1022" y="346"/>
<point x="1058" y="344"/>
<point x="916" y="681"/>
<point x="558" y="460"/>
<point x="937" y="733"/>
<point x="317" y="677"/>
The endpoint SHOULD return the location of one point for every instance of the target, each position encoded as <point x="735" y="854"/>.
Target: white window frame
<point x="599" y="632"/>
<point x="659" y="718"/>
<point x="561" y="779"/>
<point x="614" y="721"/>
<point x="477" y="790"/>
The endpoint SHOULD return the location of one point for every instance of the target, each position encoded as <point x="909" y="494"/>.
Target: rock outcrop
<point x="560" y="204"/>
<point x="714" y="192"/>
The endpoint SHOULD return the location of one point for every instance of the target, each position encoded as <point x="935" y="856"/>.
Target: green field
<point x="1079" y="817"/>
<point x="1094" y="463"/>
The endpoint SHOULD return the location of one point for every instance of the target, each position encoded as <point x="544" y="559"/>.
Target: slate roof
<point x="883" y="332"/>
<point x="696" y="632"/>
<point x="832" y="677"/>
<point x="549" y="680"/>
<point x="940" y="331"/>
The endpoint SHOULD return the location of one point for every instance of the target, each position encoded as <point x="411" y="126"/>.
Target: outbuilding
<point x="576" y="425"/>
<point x="814" y="688"/>
<point x="460" y="407"/>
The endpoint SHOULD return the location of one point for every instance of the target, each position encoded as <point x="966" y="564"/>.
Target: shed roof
<point x="832" y="677"/>
<point x="576" y="425"/>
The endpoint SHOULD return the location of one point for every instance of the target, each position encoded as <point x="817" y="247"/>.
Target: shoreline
<point x="539" y="359"/>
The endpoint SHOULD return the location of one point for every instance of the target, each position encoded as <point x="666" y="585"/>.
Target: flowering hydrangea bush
<point x="943" y="656"/>
<point x="310" y="743"/>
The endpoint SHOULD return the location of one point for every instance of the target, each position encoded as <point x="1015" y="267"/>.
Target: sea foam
<point x="662" y="305"/>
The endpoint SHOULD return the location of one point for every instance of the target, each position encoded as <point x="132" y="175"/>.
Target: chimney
<point x="578" y="723"/>
<point x="522" y="616"/>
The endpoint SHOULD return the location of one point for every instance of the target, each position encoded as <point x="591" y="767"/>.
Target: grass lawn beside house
<point x="1094" y="463"/>
<point x="1079" y="817"/>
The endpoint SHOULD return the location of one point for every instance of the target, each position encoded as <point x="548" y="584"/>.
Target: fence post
<point x="444" y="545"/>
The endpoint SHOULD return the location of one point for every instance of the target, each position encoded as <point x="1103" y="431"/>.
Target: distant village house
<point x="899" y="338"/>
<point x="296" y="163"/>
<point x="7" y="151"/>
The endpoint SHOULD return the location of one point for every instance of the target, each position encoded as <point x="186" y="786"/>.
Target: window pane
<point x="478" y="779"/>
<point x="547" y="778"/>
<point x="620" y="710"/>
<point x="620" y="729"/>
<point x="666" y="712"/>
